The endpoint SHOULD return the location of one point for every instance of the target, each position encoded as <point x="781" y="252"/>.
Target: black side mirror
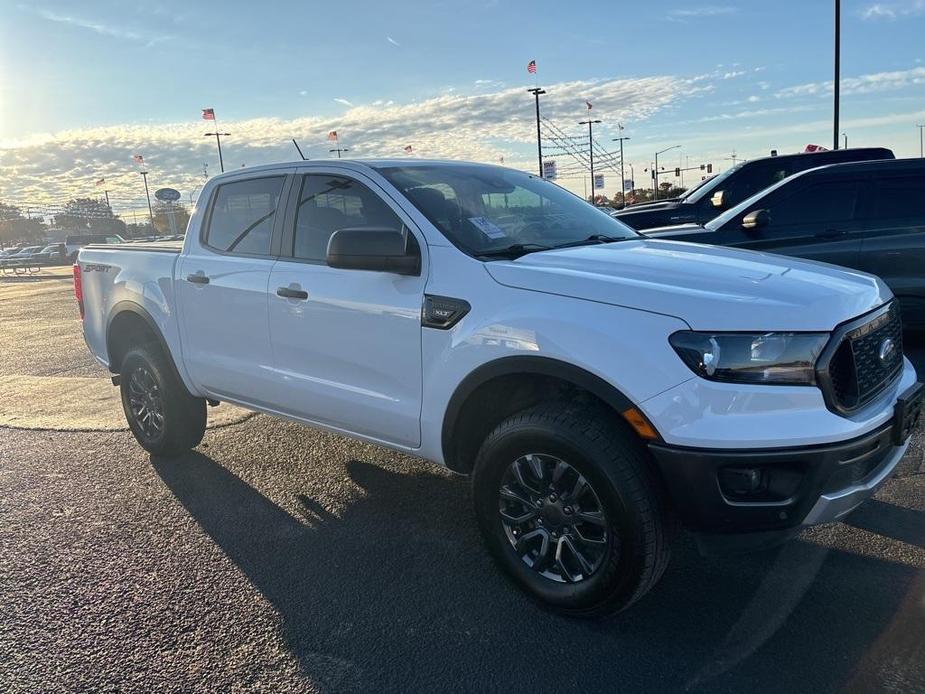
<point x="756" y="219"/>
<point x="374" y="248"/>
<point x="716" y="200"/>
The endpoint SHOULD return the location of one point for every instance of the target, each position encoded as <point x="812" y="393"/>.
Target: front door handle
<point x="198" y="278"/>
<point x="292" y="292"/>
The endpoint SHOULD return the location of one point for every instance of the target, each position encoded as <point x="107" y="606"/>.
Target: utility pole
<point x="339" y="150"/>
<point x="622" y="176"/>
<point x="590" y="123"/>
<point x="536" y="91"/>
<point x="144" y="175"/>
<point x="106" y="193"/>
<point x="845" y="137"/>
<point x="218" y="140"/>
<point x="655" y="170"/>
<point x="921" y="141"/>
<point x="835" y="84"/>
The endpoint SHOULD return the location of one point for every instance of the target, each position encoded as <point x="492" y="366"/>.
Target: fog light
<point x="740" y="481"/>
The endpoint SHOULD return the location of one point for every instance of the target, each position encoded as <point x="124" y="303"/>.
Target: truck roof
<point x="369" y="163"/>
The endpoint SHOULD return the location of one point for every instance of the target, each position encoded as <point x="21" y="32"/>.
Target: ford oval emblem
<point x="887" y="347"/>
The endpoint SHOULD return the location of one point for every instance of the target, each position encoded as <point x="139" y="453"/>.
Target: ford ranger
<point x="600" y="388"/>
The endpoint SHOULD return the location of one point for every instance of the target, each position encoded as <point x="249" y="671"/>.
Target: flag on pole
<point x="332" y="136"/>
<point x="138" y="159"/>
<point x="208" y="114"/>
<point x="588" y="104"/>
<point x="531" y="67"/>
<point x="408" y="149"/>
<point x="101" y="181"/>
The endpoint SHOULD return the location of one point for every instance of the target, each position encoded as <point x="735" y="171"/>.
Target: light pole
<point x="590" y="123"/>
<point x="144" y="175"/>
<point x="218" y="140"/>
<point x="536" y="91"/>
<point x="845" y="137"/>
<point x="835" y="83"/>
<point x="655" y="170"/>
<point x="921" y="141"/>
<point x="622" y="177"/>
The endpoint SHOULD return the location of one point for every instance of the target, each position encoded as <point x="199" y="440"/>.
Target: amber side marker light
<point x="640" y="424"/>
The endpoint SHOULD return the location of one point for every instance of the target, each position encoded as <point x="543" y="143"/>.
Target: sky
<point x="85" y="85"/>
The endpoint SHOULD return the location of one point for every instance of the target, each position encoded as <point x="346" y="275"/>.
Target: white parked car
<point x="597" y="385"/>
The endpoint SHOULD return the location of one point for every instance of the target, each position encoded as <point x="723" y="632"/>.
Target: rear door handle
<point x="197" y="279"/>
<point x="292" y="293"/>
<point x="830" y="233"/>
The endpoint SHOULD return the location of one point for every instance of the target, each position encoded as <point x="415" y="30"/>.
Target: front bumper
<point x="832" y="479"/>
<point x="758" y="497"/>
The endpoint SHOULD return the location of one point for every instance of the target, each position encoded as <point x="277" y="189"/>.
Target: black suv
<point x="869" y="216"/>
<point x="703" y="202"/>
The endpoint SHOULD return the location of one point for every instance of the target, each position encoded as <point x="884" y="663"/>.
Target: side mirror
<point x="756" y="219"/>
<point x="717" y="199"/>
<point x="373" y="248"/>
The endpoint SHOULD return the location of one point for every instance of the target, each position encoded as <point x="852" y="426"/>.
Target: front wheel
<point x="569" y="508"/>
<point x="165" y="419"/>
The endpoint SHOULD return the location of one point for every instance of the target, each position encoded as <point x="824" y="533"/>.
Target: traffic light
<point x="709" y="168"/>
<point x="677" y="171"/>
<point x="703" y="166"/>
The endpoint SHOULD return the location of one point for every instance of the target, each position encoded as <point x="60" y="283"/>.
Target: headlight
<point x="779" y="358"/>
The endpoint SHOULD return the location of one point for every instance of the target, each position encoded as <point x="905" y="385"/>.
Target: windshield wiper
<point x="515" y="250"/>
<point x="593" y="238"/>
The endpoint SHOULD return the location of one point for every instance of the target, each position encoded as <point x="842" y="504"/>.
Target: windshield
<point x="487" y="209"/>
<point x="698" y="192"/>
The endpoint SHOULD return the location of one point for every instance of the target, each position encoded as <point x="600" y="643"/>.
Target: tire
<point x="164" y="418"/>
<point x="626" y="547"/>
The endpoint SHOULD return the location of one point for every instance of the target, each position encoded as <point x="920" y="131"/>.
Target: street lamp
<point x="590" y="124"/>
<point x="536" y="91"/>
<point x="622" y="177"/>
<point x="218" y="140"/>
<point x="655" y="170"/>
<point x="836" y="81"/>
<point x="845" y="136"/>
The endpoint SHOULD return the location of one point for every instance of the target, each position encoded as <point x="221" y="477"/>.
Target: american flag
<point x="138" y="159"/>
<point x="531" y="67"/>
<point x="332" y="136"/>
<point x="101" y="181"/>
<point x="408" y="149"/>
<point x="208" y="114"/>
<point x="588" y="104"/>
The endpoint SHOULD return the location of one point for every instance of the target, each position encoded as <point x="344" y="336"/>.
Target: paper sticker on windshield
<point x="487" y="227"/>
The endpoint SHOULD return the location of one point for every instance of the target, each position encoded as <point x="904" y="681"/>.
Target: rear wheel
<point x="568" y="507"/>
<point x="165" y="419"/>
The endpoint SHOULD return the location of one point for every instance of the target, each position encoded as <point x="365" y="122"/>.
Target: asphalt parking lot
<point x="276" y="558"/>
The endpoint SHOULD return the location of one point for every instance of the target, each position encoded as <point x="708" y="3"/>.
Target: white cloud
<point x="753" y="99"/>
<point x="892" y="10"/>
<point x="47" y="167"/>
<point x="303" y="92"/>
<point x="97" y="26"/>
<point x="682" y="14"/>
<point x="864" y="84"/>
<point x="392" y="41"/>
<point x="733" y="74"/>
<point x="343" y="101"/>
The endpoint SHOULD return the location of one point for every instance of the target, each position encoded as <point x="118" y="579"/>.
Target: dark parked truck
<point x="704" y="202"/>
<point x="596" y="384"/>
<point x="868" y="216"/>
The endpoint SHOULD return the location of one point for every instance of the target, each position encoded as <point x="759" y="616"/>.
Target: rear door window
<point x="817" y="203"/>
<point x="900" y="198"/>
<point x="242" y="216"/>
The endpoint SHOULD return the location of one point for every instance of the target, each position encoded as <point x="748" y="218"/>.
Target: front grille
<point x="856" y="373"/>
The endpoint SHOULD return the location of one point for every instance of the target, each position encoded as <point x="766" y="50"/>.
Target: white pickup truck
<point x="599" y="386"/>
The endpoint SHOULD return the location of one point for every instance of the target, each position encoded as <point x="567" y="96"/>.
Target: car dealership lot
<point x="280" y="558"/>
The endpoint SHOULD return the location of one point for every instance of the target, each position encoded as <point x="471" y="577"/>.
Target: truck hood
<point x="708" y="287"/>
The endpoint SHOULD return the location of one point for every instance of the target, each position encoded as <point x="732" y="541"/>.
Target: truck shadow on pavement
<point x="397" y="594"/>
